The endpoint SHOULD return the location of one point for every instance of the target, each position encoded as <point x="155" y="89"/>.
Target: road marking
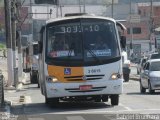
<point x="35" y="118"/>
<point x="129" y="109"/>
<point x="109" y="117"/>
<point x="25" y="99"/>
<point x="75" y="118"/>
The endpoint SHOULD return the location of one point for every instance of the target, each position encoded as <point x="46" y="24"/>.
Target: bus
<point x="71" y="65"/>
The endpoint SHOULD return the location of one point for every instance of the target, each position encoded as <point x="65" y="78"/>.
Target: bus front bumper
<point x="84" y="89"/>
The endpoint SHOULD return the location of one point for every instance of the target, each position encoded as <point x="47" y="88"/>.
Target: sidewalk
<point x="135" y="77"/>
<point x="12" y="97"/>
<point x="133" y="74"/>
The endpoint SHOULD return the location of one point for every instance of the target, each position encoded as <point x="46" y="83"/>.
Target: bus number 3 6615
<point x="94" y="71"/>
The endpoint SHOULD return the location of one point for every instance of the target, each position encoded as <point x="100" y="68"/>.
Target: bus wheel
<point x="114" y="99"/>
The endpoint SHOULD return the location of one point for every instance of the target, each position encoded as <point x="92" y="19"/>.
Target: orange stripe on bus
<point x="59" y="72"/>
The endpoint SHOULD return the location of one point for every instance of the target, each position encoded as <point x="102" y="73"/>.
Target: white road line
<point x="127" y="108"/>
<point x="75" y="118"/>
<point x="110" y="117"/>
<point x="36" y="119"/>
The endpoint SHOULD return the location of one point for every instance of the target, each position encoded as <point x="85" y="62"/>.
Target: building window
<point x="136" y="30"/>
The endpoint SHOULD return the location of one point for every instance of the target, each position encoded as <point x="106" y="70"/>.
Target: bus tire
<point x="114" y="99"/>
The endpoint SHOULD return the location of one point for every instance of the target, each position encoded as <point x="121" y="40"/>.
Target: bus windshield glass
<point x="82" y="39"/>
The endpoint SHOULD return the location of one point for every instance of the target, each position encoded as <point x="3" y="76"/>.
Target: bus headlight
<point x="51" y="79"/>
<point x="115" y="76"/>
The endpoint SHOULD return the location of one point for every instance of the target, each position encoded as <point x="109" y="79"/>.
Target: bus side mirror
<point x="123" y="41"/>
<point x="40" y="47"/>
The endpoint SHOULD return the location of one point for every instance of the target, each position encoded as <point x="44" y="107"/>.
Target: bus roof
<point x="82" y="16"/>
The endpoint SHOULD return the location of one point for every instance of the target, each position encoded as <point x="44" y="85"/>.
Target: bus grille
<point x="91" y="90"/>
<point x="84" y="78"/>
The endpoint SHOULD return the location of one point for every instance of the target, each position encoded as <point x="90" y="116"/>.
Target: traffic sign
<point x="134" y="18"/>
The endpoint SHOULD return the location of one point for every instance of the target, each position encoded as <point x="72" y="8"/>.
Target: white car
<point x="141" y="64"/>
<point x="154" y="56"/>
<point x="150" y="76"/>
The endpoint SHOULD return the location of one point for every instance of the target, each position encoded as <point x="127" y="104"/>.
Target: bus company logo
<point x="84" y="77"/>
<point x="67" y="71"/>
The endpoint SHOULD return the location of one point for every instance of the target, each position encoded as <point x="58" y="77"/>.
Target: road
<point x="132" y="102"/>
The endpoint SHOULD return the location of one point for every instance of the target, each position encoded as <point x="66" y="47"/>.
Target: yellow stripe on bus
<point x="74" y="73"/>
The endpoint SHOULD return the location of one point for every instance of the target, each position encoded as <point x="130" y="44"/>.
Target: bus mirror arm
<point x="123" y="41"/>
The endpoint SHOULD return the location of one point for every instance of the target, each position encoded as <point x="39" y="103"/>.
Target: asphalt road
<point x="132" y="103"/>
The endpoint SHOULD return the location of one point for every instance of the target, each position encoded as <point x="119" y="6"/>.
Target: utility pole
<point x="7" y="6"/>
<point x="131" y="30"/>
<point x="84" y="6"/>
<point x="20" y="68"/>
<point x="151" y="25"/>
<point x="57" y="7"/>
<point x="13" y="24"/>
<point x="112" y="7"/>
<point x="79" y="6"/>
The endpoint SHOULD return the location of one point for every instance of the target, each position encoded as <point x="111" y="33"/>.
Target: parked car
<point x="141" y="64"/>
<point x="150" y="76"/>
<point x="154" y="56"/>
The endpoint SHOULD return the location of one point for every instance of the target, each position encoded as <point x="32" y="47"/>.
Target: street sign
<point x="134" y="18"/>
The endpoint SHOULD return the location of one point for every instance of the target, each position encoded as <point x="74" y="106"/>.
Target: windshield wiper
<point x="94" y="55"/>
<point x="70" y="52"/>
<point x="71" y="49"/>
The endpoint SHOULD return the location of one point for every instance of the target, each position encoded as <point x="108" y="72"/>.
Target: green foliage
<point x="2" y="46"/>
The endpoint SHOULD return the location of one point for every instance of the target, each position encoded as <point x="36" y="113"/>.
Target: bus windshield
<point x="82" y="39"/>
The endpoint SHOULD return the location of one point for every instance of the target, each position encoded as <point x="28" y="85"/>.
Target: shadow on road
<point x="42" y="108"/>
<point x="147" y="93"/>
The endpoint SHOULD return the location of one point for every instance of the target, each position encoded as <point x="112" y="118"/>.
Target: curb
<point x="134" y="78"/>
<point x="22" y="81"/>
<point x="6" y="109"/>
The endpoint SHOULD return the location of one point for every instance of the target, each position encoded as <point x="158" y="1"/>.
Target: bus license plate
<point x="85" y="87"/>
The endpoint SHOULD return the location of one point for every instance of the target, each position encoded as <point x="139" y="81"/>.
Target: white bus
<point x="73" y="66"/>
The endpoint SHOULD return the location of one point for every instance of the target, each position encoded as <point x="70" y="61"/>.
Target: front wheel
<point x="150" y="88"/>
<point x="114" y="99"/>
<point x="142" y="89"/>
